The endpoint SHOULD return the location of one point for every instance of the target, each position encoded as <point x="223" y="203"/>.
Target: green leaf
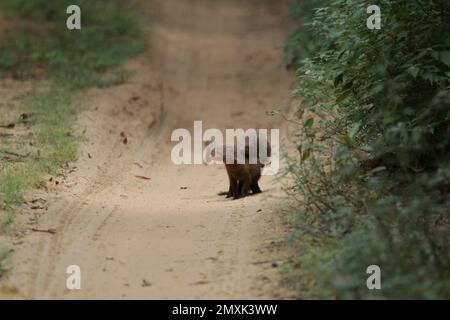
<point x="346" y="139"/>
<point x="354" y="130"/>
<point x="308" y="123"/>
<point x="306" y="155"/>
<point x="377" y="169"/>
<point x="444" y="57"/>
<point x="413" y="70"/>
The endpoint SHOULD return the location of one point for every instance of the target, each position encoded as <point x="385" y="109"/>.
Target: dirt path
<point x="170" y="236"/>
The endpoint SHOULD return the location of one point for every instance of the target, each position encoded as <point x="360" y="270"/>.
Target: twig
<point x="5" y="135"/>
<point x="15" y="154"/>
<point x="51" y="231"/>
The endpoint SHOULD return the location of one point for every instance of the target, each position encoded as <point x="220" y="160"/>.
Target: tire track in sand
<point x="170" y="236"/>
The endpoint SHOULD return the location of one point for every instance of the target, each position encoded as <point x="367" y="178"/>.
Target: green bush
<point x="373" y="167"/>
<point x="301" y="43"/>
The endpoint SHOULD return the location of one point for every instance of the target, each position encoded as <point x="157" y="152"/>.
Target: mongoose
<point x="243" y="177"/>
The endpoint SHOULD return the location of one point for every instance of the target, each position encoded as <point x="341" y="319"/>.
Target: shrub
<point x="301" y="43"/>
<point x="373" y="171"/>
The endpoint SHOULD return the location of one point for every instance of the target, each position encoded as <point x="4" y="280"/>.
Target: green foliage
<point x="51" y="114"/>
<point x="77" y="58"/>
<point x="373" y="171"/>
<point x="301" y="43"/>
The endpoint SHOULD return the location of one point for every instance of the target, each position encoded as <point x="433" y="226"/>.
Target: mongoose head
<point x="216" y="153"/>
<point x="249" y="150"/>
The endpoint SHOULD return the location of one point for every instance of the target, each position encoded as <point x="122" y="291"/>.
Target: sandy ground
<point x="170" y="236"/>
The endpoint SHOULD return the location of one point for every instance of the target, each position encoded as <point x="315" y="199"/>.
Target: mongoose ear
<point x="207" y="151"/>
<point x="208" y="142"/>
<point x="212" y="154"/>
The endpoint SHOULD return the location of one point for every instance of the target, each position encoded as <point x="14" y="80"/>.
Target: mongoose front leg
<point x="255" y="172"/>
<point x="244" y="186"/>
<point x="255" y="187"/>
<point x="233" y="190"/>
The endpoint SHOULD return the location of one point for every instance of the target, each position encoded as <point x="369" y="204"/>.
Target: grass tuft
<point x="74" y="58"/>
<point x="51" y="115"/>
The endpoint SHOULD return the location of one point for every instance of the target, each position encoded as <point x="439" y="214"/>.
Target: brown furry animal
<point x="243" y="177"/>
